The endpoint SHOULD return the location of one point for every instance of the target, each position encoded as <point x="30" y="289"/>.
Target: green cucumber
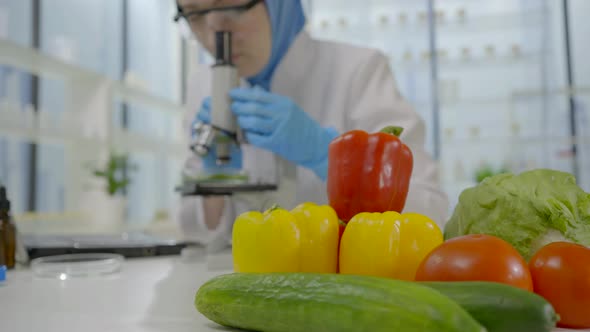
<point x="499" y="307"/>
<point x="309" y="302"/>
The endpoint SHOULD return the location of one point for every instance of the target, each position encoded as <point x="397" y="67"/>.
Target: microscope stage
<point x="220" y="188"/>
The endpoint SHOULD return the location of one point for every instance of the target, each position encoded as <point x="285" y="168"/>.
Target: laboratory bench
<point x="146" y="294"/>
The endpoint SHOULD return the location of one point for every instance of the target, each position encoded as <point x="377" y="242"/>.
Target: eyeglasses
<point x="195" y="17"/>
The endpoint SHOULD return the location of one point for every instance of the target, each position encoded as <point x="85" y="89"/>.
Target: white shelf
<point x="124" y="143"/>
<point x="138" y="96"/>
<point x="15" y="124"/>
<point x="30" y="60"/>
<point x="18" y="127"/>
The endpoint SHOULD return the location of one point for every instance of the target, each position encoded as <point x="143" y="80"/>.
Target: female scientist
<point x="302" y="93"/>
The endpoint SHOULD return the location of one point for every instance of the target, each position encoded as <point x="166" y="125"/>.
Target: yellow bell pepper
<point x="303" y="240"/>
<point x="266" y="242"/>
<point x="387" y="244"/>
<point x="370" y="244"/>
<point x="419" y="236"/>
<point x="319" y="238"/>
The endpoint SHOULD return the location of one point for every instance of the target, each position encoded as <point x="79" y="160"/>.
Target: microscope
<point x="223" y="131"/>
<point x="223" y="134"/>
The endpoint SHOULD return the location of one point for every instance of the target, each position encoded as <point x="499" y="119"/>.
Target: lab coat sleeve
<point x="376" y="102"/>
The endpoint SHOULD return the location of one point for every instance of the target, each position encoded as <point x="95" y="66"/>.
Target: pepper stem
<point x="274" y="207"/>
<point x="393" y="130"/>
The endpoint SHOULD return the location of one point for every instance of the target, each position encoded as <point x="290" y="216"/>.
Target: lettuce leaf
<point x="528" y="210"/>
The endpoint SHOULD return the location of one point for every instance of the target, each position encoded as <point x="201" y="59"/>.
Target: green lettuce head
<point x="528" y="210"/>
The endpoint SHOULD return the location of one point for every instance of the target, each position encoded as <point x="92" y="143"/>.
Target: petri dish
<point x="77" y="265"/>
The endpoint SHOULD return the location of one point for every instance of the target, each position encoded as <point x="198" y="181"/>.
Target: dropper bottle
<point x="7" y="230"/>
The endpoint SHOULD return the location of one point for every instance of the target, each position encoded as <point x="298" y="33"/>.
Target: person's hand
<point x="277" y="124"/>
<point x="204" y="114"/>
<point x="209" y="161"/>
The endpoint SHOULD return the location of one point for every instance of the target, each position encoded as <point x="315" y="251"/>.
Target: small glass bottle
<point x="7" y="230"/>
<point x="2" y="256"/>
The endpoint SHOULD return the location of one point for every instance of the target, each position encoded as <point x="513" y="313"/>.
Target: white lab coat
<point x="338" y="85"/>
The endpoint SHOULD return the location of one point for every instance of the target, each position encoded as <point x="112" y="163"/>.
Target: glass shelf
<point x="515" y="98"/>
<point x="495" y="22"/>
<point x="576" y="90"/>
<point x="417" y="22"/>
<point x="474" y="63"/>
<point x="452" y="105"/>
<point x="486" y="62"/>
<point x="521" y="140"/>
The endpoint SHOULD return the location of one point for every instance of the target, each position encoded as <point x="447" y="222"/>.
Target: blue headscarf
<point x="286" y="21"/>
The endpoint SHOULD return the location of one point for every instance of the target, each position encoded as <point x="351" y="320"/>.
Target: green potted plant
<point x="115" y="173"/>
<point x="114" y="176"/>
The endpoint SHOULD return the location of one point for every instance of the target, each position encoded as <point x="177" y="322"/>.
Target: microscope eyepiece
<point x="223" y="49"/>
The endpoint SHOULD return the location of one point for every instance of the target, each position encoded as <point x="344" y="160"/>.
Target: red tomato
<point x="476" y="258"/>
<point x="561" y="274"/>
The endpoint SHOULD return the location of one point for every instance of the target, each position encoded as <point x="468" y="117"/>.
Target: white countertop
<point x="151" y="294"/>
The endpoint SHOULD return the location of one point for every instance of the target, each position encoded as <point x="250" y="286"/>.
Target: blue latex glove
<point x="204" y="114"/>
<point x="209" y="161"/>
<point x="277" y="124"/>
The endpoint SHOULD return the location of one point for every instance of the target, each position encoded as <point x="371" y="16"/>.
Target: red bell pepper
<point x="368" y="172"/>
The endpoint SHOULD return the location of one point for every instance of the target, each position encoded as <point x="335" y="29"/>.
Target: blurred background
<point x="90" y="89"/>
